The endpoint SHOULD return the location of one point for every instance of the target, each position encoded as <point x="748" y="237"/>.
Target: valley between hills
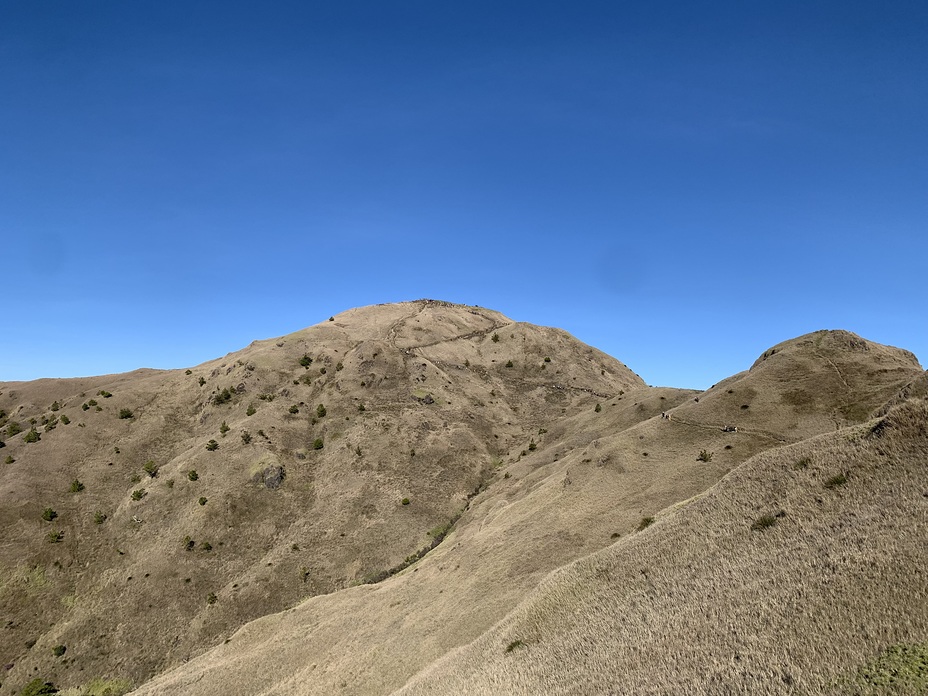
<point x="430" y="498"/>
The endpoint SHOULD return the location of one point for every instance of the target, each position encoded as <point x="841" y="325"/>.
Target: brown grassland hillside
<point x="431" y="498"/>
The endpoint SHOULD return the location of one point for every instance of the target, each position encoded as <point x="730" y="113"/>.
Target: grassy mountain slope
<point x="335" y="457"/>
<point x="791" y="575"/>
<point x="167" y="543"/>
<point x="593" y="476"/>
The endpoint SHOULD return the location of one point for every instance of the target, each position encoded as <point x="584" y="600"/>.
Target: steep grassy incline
<point x="804" y="571"/>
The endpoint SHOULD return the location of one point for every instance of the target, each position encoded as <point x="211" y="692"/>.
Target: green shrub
<point x="212" y="446"/>
<point x="246" y="437"/>
<point x="32" y="435"/>
<point x="38" y="687"/>
<point x="9" y="459"/>
<point x="201" y="381"/>
<point x="65" y="420"/>
<point x="509" y="363"/>
<point x="188" y="372"/>
<point x="139" y="493"/>
<point x="320" y="411"/>
<point x="251" y="410"/>
<point x="361" y="408"/>
<point x="202" y="501"/>
<point x="92" y="402"/>
<point x="495" y="338"/>
<point x="318" y="444"/>
<point x="803" y="463"/>
<point x="405" y="501"/>
<point x="48" y="514"/>
<point x="532" y="446"/>
<point x="106" y="687"/>
<point x="514" y="645"/>
<point x="125" y="413"/>
<point x="54" y="537"/>
<point x="211" y="598"/>
<point x="837" y="480"/>
<point x="339" y="367"/>
<point x="151" y="468"/>
<point x="547" y="359"/>
<point x="223" y="397"/>
<point x="306" y="361"/>
<point x="898" y="669"/>
<point x="704" y="456"/>
<point x="224" y="428"/>
<point x="266" y="397"/>
<point x="59" y="650"/>
<point x="13" y="428"/>
<point x="598" y="408"/>
<point x="55" y="406"/>
<point x="105" y="394"/>
<point x="763" y="522"/>
<point x="76" y="486"/>
<point x="321" y="370"/>
<point x="99" y="518"/>
<point x="206" y="546"/>
<point x="645" y="523"/>
<point x="193" y="475"/>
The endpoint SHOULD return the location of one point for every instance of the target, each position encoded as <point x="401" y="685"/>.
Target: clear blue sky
<point x="679" y="184"/>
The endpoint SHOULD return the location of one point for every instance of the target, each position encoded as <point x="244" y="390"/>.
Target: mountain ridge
<point x="443" y="430"/>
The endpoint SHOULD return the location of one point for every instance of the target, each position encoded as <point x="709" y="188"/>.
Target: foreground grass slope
<point x="803" y="571"/>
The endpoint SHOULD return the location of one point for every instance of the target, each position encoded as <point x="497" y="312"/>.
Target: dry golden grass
<point x="443" y="418"/>
<point x="699" y="603"/>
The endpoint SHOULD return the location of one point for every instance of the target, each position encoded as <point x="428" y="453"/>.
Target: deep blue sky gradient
<point x="679" y="184"/>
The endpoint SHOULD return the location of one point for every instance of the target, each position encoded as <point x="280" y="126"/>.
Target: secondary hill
<point x="593" y="479"/>
<point x="264" y="490"/>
